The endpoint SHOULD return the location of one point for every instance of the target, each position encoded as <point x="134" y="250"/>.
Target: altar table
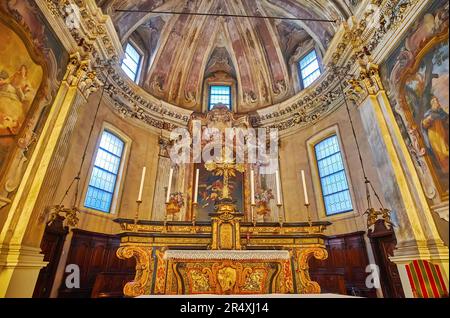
<point x="176" y="258"/>
<point x="227" y="272"/>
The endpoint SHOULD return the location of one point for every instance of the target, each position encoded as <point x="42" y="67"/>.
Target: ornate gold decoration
<point x="200" y="281"/>
<point x="227" y="279"/>
<point x="69" y="214"/>
<point x="226" y="276"/>
<point x="262" y="208"/>
<point x="373" y="216"/>
<point x="80" y="73"/>
<point x="255" y="279"/>
<point x="306" y="286"/>
<point x="160" y="282"/>
<point x="144" y="269"/>
<point x="172" y="274"/>
<point x="172" y="207"/>
<point x="226" y="232"/>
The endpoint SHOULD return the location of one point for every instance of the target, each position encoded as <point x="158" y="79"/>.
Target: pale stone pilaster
<point x="20" y="262"/>
<point x="416" y="232"/>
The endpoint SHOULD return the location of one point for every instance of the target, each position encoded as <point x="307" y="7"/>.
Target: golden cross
<point x="226" y="168"/>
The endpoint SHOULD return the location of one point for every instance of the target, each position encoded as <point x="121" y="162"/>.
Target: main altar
<point x="221" y="233"/>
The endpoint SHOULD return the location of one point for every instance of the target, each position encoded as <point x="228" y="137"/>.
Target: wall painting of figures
<point x="20" y="79"/>
<point x="416" y="76"/>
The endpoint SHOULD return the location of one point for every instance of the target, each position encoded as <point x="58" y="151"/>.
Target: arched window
<point x="333" y="179"/>
<point x="309" y="68"/>
<point x="105" y="171"/>
<point x="131" y="64"/>
<point x="219" y="94"/>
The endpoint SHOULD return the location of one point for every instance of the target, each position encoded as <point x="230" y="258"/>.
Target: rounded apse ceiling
<point x="182" y="52"/>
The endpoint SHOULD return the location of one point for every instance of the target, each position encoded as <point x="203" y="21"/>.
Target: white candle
<point x="197" y="172"/>
<point x="169" y="187"/>
<point x="252" y="187"/>
<point x="277" y="177"/>
<point x="141" y="188"/>
<point x="305" y="192"/>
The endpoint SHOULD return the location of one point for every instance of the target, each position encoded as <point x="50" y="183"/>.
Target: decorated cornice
<point x="306" y="108"/>
<point x="350" y="52"/>
<point x="81" y="75"/>
<point x="131" y="101"/>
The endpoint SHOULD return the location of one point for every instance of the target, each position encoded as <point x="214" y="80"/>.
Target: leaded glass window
<point x="309" y="68"/>
<point x="335" y="190"/>
<point x="104" y="174"/>
<point x="132" y="62"/>
<point x="219" y="94"/>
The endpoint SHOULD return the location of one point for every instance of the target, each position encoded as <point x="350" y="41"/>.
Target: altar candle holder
<point x="280" y="217"/>
<point x="194" y="217"/>
<point x="309" y="215"/>
<point x="136" y="217"/>
<point x="165" y="221"/>
<point x="253" y="215"/>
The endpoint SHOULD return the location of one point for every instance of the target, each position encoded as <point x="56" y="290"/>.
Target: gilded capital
<point x="80" y="74"/>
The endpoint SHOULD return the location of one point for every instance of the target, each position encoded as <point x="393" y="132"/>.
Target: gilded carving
<point x="306" y="286"/>
<point x="144" y="269"/>
<point x="222" y="271"/>
<point x="160" y="281"/>
<point x="254" y="279"/>
<point x="200" y="281"/>
<point x="80" y="74"/>
<point x="227" y="279"/>
<point x="226" y="276"/>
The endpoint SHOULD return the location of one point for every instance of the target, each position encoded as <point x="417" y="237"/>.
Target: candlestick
<point x="277" y="177"/>
<point x="169" y="187"/>
<point x="164" y="230"/>
<point x="197" y="172"/>
<point x="141" y="188"/>
<point x="309" y="215"/>
<point x="136" y="217"/>
<point x="253" y="215"/>
<point x="194" y="217"/>
<point x="305" y="192"/>
<point x="252" y="187"/>
<point x="280" y="217"/>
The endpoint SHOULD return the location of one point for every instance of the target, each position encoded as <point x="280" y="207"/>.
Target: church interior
<point x="210" y="147"/>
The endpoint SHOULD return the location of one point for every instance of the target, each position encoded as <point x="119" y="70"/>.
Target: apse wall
<point x="142" y="151"/>
<point x="296" y="154"/>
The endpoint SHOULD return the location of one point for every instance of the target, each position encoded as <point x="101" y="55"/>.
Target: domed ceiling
<point x="259" y="55"/>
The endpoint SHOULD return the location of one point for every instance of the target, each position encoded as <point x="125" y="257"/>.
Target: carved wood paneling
<point x="51" y="245"/>
<point x="347" y="257"/>
<point x="95" y="254"/>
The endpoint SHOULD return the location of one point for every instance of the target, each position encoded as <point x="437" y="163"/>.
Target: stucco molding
<point x="441" y="210"/>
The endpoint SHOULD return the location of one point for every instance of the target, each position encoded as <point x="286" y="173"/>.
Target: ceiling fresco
<point x="257" y="53"/>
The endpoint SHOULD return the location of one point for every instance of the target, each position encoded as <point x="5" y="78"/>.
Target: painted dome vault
<point x="257" y="56"/>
